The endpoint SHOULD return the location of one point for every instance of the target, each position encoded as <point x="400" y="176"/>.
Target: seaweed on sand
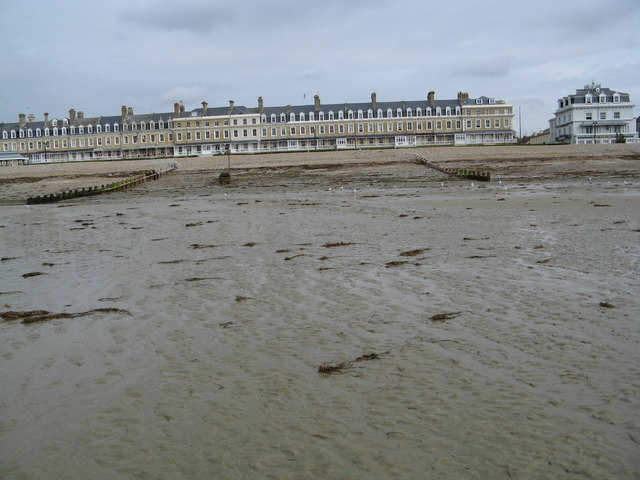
<point x="36" y="316"/>
<point x="328" y="368"/>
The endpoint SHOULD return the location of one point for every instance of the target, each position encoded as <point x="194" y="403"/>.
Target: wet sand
<point x="222" y="302"/>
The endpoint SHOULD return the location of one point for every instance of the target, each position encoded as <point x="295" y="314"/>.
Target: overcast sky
<point x="95" y="56"/>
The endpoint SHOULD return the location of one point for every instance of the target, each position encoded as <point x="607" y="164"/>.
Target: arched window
<point x="340" y="115"/>
<point x="4" y="135"/>
<point x="63" y="131"/>
<point x="13" y="134"/>
<point x="321" y="116"/>
<point x="29" y="133"/>
<point x="447" y="111"/>
<point x="80" y="129"/>
<point x="89" y="128"/>
<point x="399" y="112"/>
<point x="350" y="114"/>
<point x="55" y="131"/>
<point x="379" y="113"/>
<point x="587" y="98"/>
<point x="312" y="116"/>
<point x="283" y="117"/>
<point x="418" y="112"/>
<point x="46" y="132"/>
<point x="292" y="117"/>
<point x="143" y="126"/>
<point x="359" y="114"/>
<point x="458" y="111"/>
<point x="273" y="118"/>
<point x="21" y="133"/>
<point x="98" y="128"/>
<point x="330" y="114"/>
<point x="133" y="126"/>
<point x="302" y="116"/>
<point x="409" y="112"/>
<point x="263" y="119"/>
<point x="107" y="128"/>
<point x="429" y="112"/>
<point x="116" y="127"/>
<point x="72" y="129"/>
<point x="152" y="125"/>
<point x="438" y="111"/>
<point x="389" y="113"/>
<point x="54" y="122"/>
<point x="369" y="113"/>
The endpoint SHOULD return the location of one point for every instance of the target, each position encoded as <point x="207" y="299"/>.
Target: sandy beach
<point x="466" y="330"/>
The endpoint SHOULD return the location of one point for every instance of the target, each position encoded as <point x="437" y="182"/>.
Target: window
<point x="273" y="118"/>
<point x="429" y="125"/>
<point x="447" y="111"/>
<point x="179" y="136"/>
<point x="496" y="123"/>
<point x="321" y="116"/>
<point x="478" y="123"/>
<point x="332" y="129"/>
<point x="389" y="113"/>
<point x="419" y="126"/>
<point x="301" y="116"/>
<point x="188" y="136"/>
<point x="409" y="112"/>
<point x="293" y="130"/>
<point x="487" y="123"/>
<point x="448" y="124"/>
<point x="399" y="113"/>
<point x="321" y="129"/>
<point x="350" y="115"/>
<point x="331" y="115"/>
<point x="245" y="132"/>
<point x="603" y="115"/>
<point x="409" y="125"/>
<point x="303" y="130"/>
<point x="616" y="115"/>
<point x="439" y="125"/>
<point x="340" y="128"/>
<point x="274" y="132"/>
<point x="399" y="126"/>
<point x="589" y="115"/>
<point x="198" y="135"/>
<point x="264" y="132"/>
<point x="207" y="135"/>
<point x="389" y="127"/>
<point x="107" y="128"/>
<point x="616" y="98"/>
<point x="468" y="123"/>
<point x="235" y="133"/>
<point x="587" y="99"/>
<point x="283" y="131"/>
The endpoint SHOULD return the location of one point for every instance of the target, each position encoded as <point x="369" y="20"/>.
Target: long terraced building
<point x="238" y="129"/>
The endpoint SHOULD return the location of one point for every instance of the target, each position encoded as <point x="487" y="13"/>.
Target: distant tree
<point x="620" y="138"/>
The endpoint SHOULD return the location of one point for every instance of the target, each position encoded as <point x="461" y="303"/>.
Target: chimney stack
<point x="260" y="105"/>
<point x="205" y="105"/>
<point x="176" y="108"/>
<point x="80" y="115"/>
<point x="31" y="118"/>
<point x="23" y="119"/>
<point x="462" y="96"/>
<point x="181" y="108"/>
<point x="231" y="106"/>
<point x="123" y="113"/>
<point x="72" y="116"/>
<point x="316" y="102"/>
<point x="431" y="97"/>
<point x="374" y="101"/>
<point x="129" y="111"/>
<point x="46" y="119"/>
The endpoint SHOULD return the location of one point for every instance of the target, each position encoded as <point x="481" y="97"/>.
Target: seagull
<point x="472" y="184"/>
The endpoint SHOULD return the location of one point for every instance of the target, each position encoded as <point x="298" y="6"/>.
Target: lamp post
<point x="520" y="120"/>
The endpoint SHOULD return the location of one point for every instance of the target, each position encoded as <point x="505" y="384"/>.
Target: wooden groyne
<point x="457" y="172"/>
<point x="96" y="190"/>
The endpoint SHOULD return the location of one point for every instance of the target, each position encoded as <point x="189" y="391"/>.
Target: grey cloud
<point x="496" y="67"/>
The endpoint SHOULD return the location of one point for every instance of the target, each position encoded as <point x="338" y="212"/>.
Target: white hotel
<point x="594" y="114"/>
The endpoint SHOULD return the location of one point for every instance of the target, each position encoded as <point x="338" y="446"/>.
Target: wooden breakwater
<point x="96" y="190"/>
<point x="457" y="172"/>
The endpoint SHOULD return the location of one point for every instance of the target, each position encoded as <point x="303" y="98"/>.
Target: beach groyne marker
<point x="95" y="190"/>
<point x="457" y="172"/>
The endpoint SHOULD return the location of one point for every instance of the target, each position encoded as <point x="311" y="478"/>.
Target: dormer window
<point x="292" y="117"/>
<point x="360" y="114"/>
<point x="616" y="98"/>
<point x="350" y="114"/>
<point x="38" y="132"/>
<point x="331" y="115"/>
<point x="603" y="99"/>
<point x="89" y="129"/>
<point x="389" y="113"/>
<point x="312" y="116"/>
<point x="438" y="111"/>
<point x="29" y="133"/>
<point x="340" y="115"/>
<point x="399" y="113"/>
<point x="448" y="111"/>
<point x="116" y="127"/>
<point x="55" y="131"/>
<point x="21" y="133"/>
<point x="478" y="101"/>
<point x="409" y="112"/>
<point x="72" y="129"/>
<point x="301" y="116"/>
<point x="107" y="128"/>
<point x="283" y="117"/>
<point x="492" y="101"/>
<point x="369" y="113"/>
<point x="273" y="118"/>
<point x="64" y="131"/>
<point x="98" y="128"/>
<point x="321" y="116"/>
<point x="429" y="113"/>
<point x="81" y="129"/>
<point x="418" y="112"/>
<point x="587" y="98"/>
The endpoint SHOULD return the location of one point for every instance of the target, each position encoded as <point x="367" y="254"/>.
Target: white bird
<point x="472" y="184"/>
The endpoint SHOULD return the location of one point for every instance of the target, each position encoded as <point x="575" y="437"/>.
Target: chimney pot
<point x="80" y="114"/>
<point x="72" y="116"/>
<point x="374" y="101"/>
<point x="205" y="106"/>
<point x="231" y="106"/>
<point x="260" y="105"/>
<point x="46" y="119"/>
<point x="316" y="102"/>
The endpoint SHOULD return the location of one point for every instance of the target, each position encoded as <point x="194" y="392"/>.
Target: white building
<point x="593" y="115"/>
